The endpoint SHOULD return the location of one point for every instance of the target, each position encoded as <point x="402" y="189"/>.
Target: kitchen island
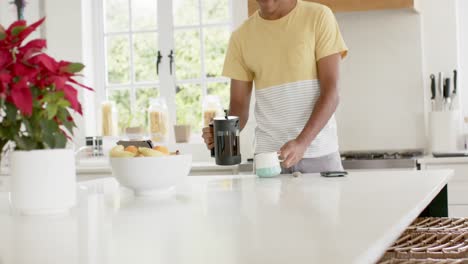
<point x="231" y="219"/>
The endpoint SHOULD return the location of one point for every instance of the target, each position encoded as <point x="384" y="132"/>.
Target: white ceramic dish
<point x="151" y="176"/>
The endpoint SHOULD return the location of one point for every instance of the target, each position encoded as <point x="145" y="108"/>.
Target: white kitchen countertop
<point x="102" y="166"/>
<point x="232" y="219"/>
<point x="452" y="160"/>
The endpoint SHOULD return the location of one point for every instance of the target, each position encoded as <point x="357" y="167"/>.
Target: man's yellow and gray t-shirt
<point x="280" y="57"/>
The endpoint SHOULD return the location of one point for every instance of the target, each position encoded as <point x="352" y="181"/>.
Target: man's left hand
<point x="292" y="152"/>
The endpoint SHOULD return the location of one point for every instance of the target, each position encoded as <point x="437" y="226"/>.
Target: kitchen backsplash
<point x="382" y="96"/>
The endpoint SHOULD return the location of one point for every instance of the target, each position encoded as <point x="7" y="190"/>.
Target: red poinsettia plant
<point x="37" y="93"/>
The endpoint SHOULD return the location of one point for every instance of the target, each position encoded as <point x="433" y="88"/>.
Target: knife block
<point x="445" y="131"/>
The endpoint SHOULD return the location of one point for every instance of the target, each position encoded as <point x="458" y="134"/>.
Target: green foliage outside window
<point x="188" y="61"/>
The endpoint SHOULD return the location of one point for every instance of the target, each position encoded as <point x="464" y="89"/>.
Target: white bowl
<point x="149" y="176"/>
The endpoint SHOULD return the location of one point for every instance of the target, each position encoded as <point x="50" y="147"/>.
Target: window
<point x="139" y="37"/>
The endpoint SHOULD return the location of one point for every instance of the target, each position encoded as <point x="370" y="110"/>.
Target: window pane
<point x="118" y="60"/>
<point x="221" y="89"/>
<point x="143" y="97"/>
<point x="186" y="12"/>
<point x="145" y="47"/>
<point x="216" y="42"/>
<point x="187" y="59"/>
<point x="188" y="103"/>
<point x="144" y="14"/>
<point x="121" y="98"/>
<point x="116" y="12"/>
<point x="216" y="11"/>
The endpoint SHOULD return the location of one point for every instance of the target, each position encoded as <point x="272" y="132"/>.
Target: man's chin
<point x="266" y="6"/>
<point x="267" y="10"/>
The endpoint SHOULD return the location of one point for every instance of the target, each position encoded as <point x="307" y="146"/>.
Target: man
<point x="291" y="50"/>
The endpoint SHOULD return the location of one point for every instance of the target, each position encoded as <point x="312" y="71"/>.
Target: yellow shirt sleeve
<point x="234" y="64"/>
<point x="328" y="39"/>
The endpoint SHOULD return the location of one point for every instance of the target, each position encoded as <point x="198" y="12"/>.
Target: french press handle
<point x="213" y="149"/>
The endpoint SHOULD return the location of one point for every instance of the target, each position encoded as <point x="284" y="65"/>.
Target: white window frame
<point x="167" y="82"/>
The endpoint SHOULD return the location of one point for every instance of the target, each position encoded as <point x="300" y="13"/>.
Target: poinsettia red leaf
<point x="35" y="45"/>
<point x="19" y="69"/>
<point x="18" y="23"/>
<point x="59" y="82"/>
<point x="26" y="32"/>
<point x="5" y="79"/>
<point x="5" y="58"/>
<point x="63" y="63"/>
<point x="80" y="84"/>
<point x="22" y="97"/>
<point x="71" y="95"/>
<point x="80" y="110"/>
<point x="46" y="61"/>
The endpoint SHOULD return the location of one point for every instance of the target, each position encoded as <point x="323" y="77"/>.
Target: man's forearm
<point x="324" y="109"/>
<point x="239" y="102"/>
<point x="239" y="110"/>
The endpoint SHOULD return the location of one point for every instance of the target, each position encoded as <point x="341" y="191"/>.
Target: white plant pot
<point x="43" y="181"/>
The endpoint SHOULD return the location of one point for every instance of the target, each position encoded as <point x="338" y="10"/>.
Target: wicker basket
<point x="426" y="261"/>
<point x="431" y="240"/>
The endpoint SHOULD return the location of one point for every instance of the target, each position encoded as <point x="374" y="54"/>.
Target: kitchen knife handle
<point x="447" y="88"/>
<point x="441" y="85"/>
<point x="433" y="87"/>
<point x="455" y="80"/>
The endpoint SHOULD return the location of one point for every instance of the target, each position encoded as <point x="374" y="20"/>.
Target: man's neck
<point x="285" y="8"/>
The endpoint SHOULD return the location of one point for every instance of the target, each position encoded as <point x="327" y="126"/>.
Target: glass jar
<point x="158" y="120"/>
<point x="211" y="108"/>
<point x="110" y="119"/>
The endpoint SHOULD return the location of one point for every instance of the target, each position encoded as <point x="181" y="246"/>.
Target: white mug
<point x="267" y="165"/>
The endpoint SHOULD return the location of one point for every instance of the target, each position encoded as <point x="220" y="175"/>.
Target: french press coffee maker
<point x="226" y="132"/>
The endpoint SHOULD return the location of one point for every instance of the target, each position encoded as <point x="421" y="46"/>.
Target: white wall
<point x="405" y="48"/>
<point x="8" y="12"/>
<point x="382" y="106"/>
<point x="440" y="38"/>
<point x="463" y="51"/>
<point x="67" y="39"/>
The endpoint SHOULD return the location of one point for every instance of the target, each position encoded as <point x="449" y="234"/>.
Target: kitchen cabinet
<point x="458" y="211"/>
<point x="458" y="184"/>
<point x="356" y="5"/>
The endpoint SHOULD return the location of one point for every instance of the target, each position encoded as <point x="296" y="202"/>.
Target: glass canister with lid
<point x="211" y="108"/>
<point x="158" y="120"/>
<point x="110" y="119"/>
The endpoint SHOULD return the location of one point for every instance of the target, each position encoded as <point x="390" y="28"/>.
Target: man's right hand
<point x="208" y="137"/>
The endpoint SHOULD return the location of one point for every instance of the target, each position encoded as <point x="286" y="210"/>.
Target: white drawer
<point x="460" y="171"/>
<point x="458" y="211"/>
<point x="458" y="193"/>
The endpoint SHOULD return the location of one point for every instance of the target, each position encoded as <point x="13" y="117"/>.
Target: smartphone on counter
<point x="334" y="174"/>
